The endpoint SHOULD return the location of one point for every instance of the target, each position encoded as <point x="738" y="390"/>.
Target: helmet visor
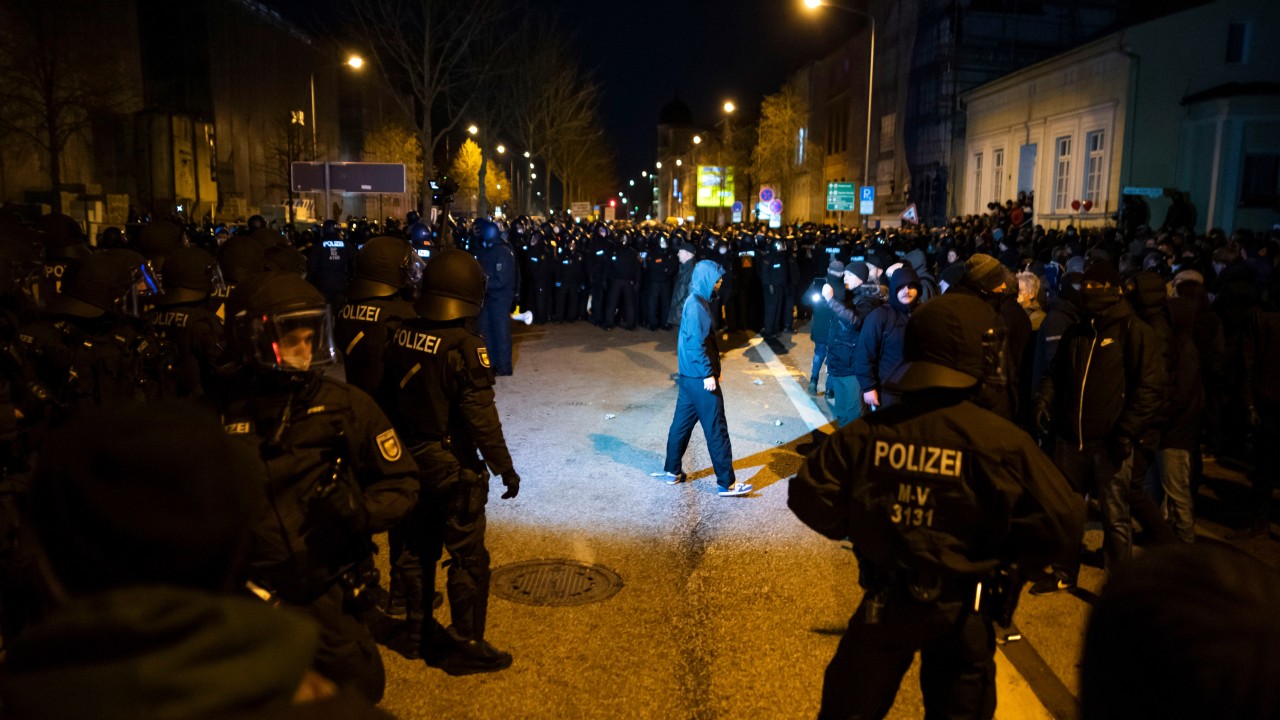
<point x="296" y="341"/>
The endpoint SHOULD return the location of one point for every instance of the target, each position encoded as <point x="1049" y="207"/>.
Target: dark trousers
<point x="599" y="289"/>
<point x="495" y="326"/>
<point x="621" y="305"/>
<point x="657" y="305"/>
<point x="541" y="302"/>
<point x="347" y="654"/>
<point x="568" y="306"/>
<point x="1266" y="466"/>
<point x="957" y="661"/>
<point x="774" y="300"/>
<point x="1092" y="471"/>
<point x="695" y="405"/>
<point x="450" y="516"/>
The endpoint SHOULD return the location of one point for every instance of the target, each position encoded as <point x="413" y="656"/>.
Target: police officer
<point x="569" y="280"/>
<point x="624" y="275"/>
<point x="499" y="264"/>
<point x="381" y="295"/>
<point x="541" y="276"/>
<point x="937" y="496"/>
<point x="775" y="277"/>
<point x="337" y="471"/>
<point x="331" y="261"/>
<point x="596" y="260"/>
<point x="660" y="267"/>
<point x="190" y="335"/>
<point x="438" y="389"/>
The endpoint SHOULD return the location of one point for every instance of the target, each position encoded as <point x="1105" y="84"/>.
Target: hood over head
<point x="705" y="275"/>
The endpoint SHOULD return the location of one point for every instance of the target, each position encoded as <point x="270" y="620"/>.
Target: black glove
<point x="512" y="482"/>
<point x="1120" y="447"/>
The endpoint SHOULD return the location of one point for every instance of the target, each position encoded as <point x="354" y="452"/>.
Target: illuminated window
<point x="804" y="133"/>
<point x="1093" y="143"/>
<point x="1061" y="173"/>
<point x="997" y="175"/>
<point x="977" y="182"/>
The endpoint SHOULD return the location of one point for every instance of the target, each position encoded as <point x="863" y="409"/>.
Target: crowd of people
<point x="1128" y="359"/>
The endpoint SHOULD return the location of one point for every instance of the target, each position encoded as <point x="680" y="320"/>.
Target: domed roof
<point x="675" y="113"/>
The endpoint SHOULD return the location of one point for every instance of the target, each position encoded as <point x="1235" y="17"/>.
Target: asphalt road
<point x="730" y="608"/>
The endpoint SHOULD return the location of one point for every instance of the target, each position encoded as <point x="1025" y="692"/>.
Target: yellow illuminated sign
<point x="715" y="186"/>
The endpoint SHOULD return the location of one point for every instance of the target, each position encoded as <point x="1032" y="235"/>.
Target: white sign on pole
<point x="580" y="209"/>
<point x="867" y="200"/>
<point x="610" y="214"/>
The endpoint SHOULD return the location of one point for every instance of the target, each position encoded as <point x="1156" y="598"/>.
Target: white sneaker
<point x="736" y="490"/>
<point x="670" y="478"/>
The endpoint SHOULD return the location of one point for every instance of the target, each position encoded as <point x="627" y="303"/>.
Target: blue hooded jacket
<point x="696" y="350"/>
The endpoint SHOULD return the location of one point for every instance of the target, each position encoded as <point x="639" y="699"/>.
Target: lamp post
<point x="729" y="107"/>
<point x="871" y="76"/>
<point x="355" y="62"/>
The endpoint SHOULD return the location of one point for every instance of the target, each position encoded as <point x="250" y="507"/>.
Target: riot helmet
<point x="189" y="275"/>
<point x="453" y="287"/>
<point x="950" y="342"/>
<point x="278" y="321"/>
<point x="385" y="266"/>
<point x="487" y="232"/>
<point x="93" y="288"/>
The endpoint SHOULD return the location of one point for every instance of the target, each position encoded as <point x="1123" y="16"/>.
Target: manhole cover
<point x="555" y="582"/>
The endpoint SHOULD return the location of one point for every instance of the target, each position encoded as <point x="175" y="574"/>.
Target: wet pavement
<point x="730" y="607"/>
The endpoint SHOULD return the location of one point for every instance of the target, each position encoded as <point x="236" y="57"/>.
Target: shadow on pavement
<point x="624" y="453"/>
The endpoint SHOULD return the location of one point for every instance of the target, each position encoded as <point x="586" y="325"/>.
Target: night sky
<point x="644" y="52"/>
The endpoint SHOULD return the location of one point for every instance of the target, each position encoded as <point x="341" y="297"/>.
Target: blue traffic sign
<point x="766" y="194"/>
<point x="867" y="193"/>
<point x="737" y="207"/>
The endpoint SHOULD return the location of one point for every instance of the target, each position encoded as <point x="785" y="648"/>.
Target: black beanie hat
<point x="859" y="270"/>
<point x="144" y="494"/>
<point x="1101" y="271"/>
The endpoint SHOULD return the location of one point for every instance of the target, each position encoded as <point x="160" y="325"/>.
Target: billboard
<point x="715" y="186"/>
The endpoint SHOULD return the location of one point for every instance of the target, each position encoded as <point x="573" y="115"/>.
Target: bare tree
<point x="285" y="145"/>
<point x="52" y="83"/>
<point x="432" y="55"/>
<point x="780" y="156"/>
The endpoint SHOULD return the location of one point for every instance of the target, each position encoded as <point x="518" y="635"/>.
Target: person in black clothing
<point x="879" y="350"/>
<point x="597" y="261"/>
<point x="388" y="273"/>
<point x="331" y="261"/>
<point x="1101" y="394"/>
<point x="183" y="322"/>
<point x="775" y="278"/>
<point x="569" y="279"/>
<point x="624" y="276"/>
<point x="944" y="503"/>
<point x="337" y="472"/>
<point x="1260" y="349"/>
<point x="850" y="301"/>
<point x="660" y="267"/>
<point x="438" y="388"/>
<point x="988" y="280"/>
<point x="541" y="264"/>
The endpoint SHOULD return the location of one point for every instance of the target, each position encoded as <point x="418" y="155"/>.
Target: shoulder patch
<point x="483" y="355"/>
<point x="389" y="446"/>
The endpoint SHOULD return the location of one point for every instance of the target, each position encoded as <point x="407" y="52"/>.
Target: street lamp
<point x="871" y="77"/>
<point x="473" y="129"/>
<point x="697" y="139"/>
<point x="353" y="61"/>
<point x="501" y="148"/>
<point x="729" y="107"/>
<point x="679" y="162"/>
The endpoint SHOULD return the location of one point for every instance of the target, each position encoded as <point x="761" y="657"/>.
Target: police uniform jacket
<point x="193" y="339"/>
<point x="935" y="487"/>
<point x="300" y="428"/>
<point x="361" y="328"/>
<point x="499" y="265"/>
<point x="438" y="386"/>
<point x="624" y="264"/>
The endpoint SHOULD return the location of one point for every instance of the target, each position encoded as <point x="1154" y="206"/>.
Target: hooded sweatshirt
<point x="696" y="351"/>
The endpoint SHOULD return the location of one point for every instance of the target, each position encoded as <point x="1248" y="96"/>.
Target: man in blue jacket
<point x="499" y="263"/>
<point x="700" y="398"/>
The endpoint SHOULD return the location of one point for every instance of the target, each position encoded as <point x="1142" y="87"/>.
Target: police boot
<point x="435" y="644"/>
<point x="396" y="606"/>
<point x="471" y="656"/>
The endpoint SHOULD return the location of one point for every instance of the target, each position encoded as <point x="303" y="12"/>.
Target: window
<point x="997" y="175"/>
<point x="1260" y="184"/>
<point x="804" y="133"/>
<point x="1093" y="142"/>
<point x="1062" y="173"/>
<point x="977" y="182"/>
<point x="1238" y="37"/>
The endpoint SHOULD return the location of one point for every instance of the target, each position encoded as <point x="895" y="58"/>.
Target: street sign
<point x="737" y="209"/>
<point x="867" y="200"/>
<point x="307" y="176"/>
<point x="911" y="215"/>
<point x="766" y="194"/>
<point x="841" y="196"/>
<point x="737" y="215"/>
<point x="610" y="213"/>
<point x="775" y="207"/>
<point x="1143" y="191"/>
<point x="580" y="209"/>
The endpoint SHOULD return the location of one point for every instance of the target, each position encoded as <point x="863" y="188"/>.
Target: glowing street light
<point x="644" y="173"/>
<point x="473" y="129"/>
<point x="729" y="107"/>
<point x="534" y="176"/>
<point x="679" y="162"/>
<point x="526" y="153"/>
<point x="633" y="183"/>
<point x="697" y="139"/>
<point x="501" y="149"/>
<point x="813" y="4"/>
<point x="355" y="62"/>
<point x="659" y="165"/>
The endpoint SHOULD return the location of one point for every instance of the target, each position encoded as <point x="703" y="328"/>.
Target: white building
<point x="1186" y="103"/>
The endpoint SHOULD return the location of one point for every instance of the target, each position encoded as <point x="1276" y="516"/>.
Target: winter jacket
<point x="696" y="350"/>
<point x="1105" y="379"/>
<point x="1062" y="313"/>
<point x="847" y="318"/>
<point x="879" y="350"/>
<point x="1181" y="429"/>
